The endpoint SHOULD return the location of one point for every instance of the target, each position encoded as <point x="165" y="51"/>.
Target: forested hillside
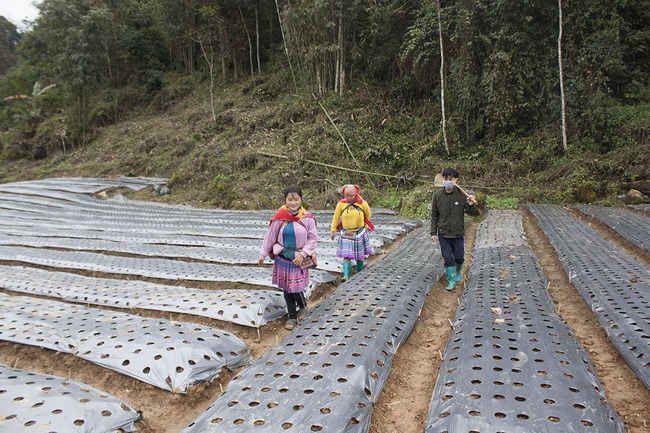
<point x="531" y="100"/>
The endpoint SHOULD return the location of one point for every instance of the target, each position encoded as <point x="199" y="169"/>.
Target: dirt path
<point x="403" y="405"/>
<point x="625" y="391"/>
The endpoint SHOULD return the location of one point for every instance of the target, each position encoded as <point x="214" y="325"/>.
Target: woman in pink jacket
<point x="290" y="240"/>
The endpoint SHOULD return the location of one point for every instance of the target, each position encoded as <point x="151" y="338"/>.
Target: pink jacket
<point x="305" y="232"/>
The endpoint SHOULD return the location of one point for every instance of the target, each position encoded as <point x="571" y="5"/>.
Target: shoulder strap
<point x="352" y="205"/>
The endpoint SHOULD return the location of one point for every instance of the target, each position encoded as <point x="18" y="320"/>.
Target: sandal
<point x="291" y="323"/>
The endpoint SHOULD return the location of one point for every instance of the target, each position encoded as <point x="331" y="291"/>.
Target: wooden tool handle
<point x="462" y="190"/>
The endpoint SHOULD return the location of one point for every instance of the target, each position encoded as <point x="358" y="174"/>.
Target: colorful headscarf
<point x="349" y="188"/>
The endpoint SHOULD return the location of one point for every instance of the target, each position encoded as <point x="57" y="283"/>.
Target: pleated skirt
<point x="357" y="248"/>
<point x="288" y="276"/>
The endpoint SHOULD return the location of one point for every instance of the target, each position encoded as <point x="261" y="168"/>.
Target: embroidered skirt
<point x="288" y="276"/>
<point x="356" y="249"/>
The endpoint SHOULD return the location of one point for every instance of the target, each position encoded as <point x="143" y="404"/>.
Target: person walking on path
<point x="448" y="207"/>
<point x="352" y="219"/>
<point x="291" y="240"/>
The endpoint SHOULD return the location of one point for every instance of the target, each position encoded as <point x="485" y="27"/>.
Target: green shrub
<point x="415" y="204"/>
<point x="390" y="198"/>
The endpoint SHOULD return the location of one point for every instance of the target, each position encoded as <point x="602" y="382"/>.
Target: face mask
<point x="448" y="184"/>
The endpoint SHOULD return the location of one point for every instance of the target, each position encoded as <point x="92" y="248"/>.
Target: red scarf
<point x="358" y="199"/>
<point x="283" y="214"/>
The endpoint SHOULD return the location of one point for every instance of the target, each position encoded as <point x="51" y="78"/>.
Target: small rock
<point x="636" y="197"/>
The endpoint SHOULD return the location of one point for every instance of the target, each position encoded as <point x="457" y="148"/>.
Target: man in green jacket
<point x="448" y="208"/>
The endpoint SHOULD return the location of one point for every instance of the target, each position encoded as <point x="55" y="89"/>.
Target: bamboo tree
<point x="248" y="37"/>
<point x="442" y="79"/>
<point x="71" y="37"/>
<point x="257" y="38"/>
<point x="559" y="58"/>
<point x="339" y="85"/>
<point x="209" y="59"/>
<point x="286" y="49"/>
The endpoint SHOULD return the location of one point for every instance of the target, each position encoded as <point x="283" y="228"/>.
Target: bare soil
<point x="403" y="404"/>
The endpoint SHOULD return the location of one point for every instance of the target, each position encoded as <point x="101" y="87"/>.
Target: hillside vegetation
<point x="231" y="163"/>
<point x="231" y="104"/>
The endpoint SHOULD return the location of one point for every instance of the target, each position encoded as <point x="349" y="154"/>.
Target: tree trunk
<point x="559" y="58"/>
<point x="188" y="25"/>
<point x="222" y="51"/>
<point x="235" y="65"/>
<point x="210" y="62"/>
<point x="286" y="49"/>
<point x="250" y="42"/>
<point x="257" y="39"/>
<point x="442" y="80"/>
<point x="340" y="64"/>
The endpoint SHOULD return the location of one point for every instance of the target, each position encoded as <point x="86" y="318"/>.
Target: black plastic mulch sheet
<point x="83" y="185"/>
<point x="632" y="226"/>
<point x="39" y="403"/>
<point x="151" y="267"/>
<point x="245" y="307"/>
<point x="55" y="214"/>
<point x="613" y="284"/>
<point x="168" y="354"/>
<point x="641" y="207"/>
<point x="511" y="364"/>
<point x="327" y="374"/>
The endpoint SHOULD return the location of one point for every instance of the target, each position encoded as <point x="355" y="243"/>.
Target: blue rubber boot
<point x="359" y="265"/>
<point x="347" y="267"/>
<point x="451" y="277"/>
<point x="459" y="274"/>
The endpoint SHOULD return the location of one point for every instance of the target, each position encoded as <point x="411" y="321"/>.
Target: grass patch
<point x="391" y="198"/>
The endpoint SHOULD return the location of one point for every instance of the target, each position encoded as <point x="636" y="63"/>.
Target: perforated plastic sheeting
<point x="59" y="211"/>
<point x="129" y="229"/>
<point x="389" y="226"/>
<point x="221" y="250"/>
<point x="109" y="212"/>
<point x="15" y="228"/>
<point x="128" y="225"/>
<point x="632" y="226"/>
<point x="27" y="189"/>
<point x="327" y="374"/>
<point x="614" y="285"/>
<point x="501" y="229"/>
<point x="169" y="355"/>
<point x="228" y="254"/>
<point x="511" y="364"/>
<point x="642" y="207"/>
<point x="86" y="185"/>
<point x="223" y="242"/>
<point x="155" y="268"/>
<point x="244" y="307"/>
<point x="65" y="202"/>
<point x="118" y="205"/>
<point x="32" y="402"/>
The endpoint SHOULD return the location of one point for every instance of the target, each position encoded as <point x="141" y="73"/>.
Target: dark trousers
<point x="453" y="250"/>
<point x="293" y="299"/>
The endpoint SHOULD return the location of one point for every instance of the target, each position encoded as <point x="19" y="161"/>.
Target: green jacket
<point x="448" y="213"/>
